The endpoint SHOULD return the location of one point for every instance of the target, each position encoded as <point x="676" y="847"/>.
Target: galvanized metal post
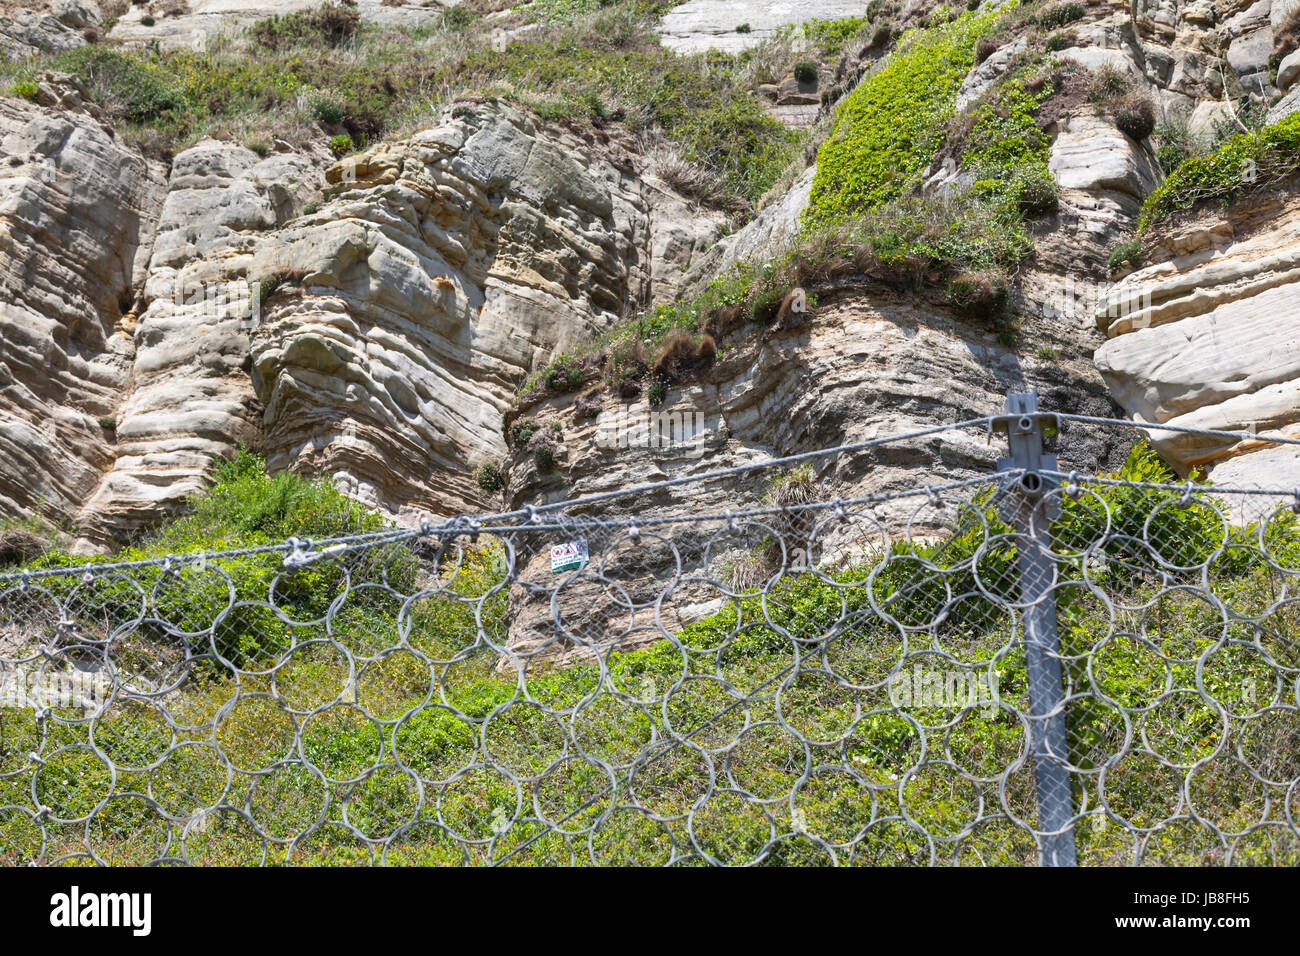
<point x="1024" y="508"/>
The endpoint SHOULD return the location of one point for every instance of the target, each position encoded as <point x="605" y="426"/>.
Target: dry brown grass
<point x="682" y="354"/>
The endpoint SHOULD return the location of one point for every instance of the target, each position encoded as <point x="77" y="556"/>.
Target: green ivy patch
<point x="888" y="130"/>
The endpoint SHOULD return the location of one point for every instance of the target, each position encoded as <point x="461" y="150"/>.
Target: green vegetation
<point x="600" y="65"/>
<point x="1247" y="162"/>
<point x="969" y="242"/>
<point x="564" y="374"/>
<point x="330" y="25"/>
<point x="1128" y="252"/>
<point x="341" y="144"/>
<point x="1007" y="151"/>
<point x="805" y="71"/>
<point x="23" y="540"/>
<point x="24" y="88"/>
<point x="1108" y="83"/>
<point x="520" y="432"/>
<point x="1174" y="144"/>
<point x="832" y="36"/>
<point x="888" y="130"/>
<point x="267" y="286"/>
<point x="1057" y="41"/>
<point x="643" y="697"/>
<point x="245" y="506"/>
<point x="1061" y="14"/>
<point x="1249" y="113"/>
<point x="326" y="109"/>
<point x="489" y="477"/>
<point x="715" y="123"/>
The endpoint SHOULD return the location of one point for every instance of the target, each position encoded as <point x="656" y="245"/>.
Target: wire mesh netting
<point x="810" y="683"/>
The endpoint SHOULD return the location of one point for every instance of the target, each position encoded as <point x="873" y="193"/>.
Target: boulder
<point x="1288" y="71"/>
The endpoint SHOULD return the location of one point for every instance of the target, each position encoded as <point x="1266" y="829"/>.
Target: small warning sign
<point x="570" y="555"/>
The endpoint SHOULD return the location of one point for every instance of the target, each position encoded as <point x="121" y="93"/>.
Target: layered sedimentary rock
<point x="1103" y="176"/>
<point x="1215" y="341"/>
<point x="767" y="235"/>
<point x="870" y="362"/>
<point x="77" y="215"/>
<point x="377" y="338"/>
<point x="441" y="272"/>
<point x="191" y="399"/>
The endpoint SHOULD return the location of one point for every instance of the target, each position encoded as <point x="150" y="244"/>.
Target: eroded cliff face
<point x="439" y="273"/>
<point x="1216" y="343"/>
<point x="869" y="362"/>
<point x="77" y="216"/>
<point x="392" y="323"/>
<point x="190" y="400"/>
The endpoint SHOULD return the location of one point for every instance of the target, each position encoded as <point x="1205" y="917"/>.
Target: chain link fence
<point x="1027" y="667"/>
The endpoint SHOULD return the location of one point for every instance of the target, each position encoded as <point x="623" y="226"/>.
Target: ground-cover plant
<point x="443" y="701"/>
<point x="1006" y="149"/>
<point x="832" y="36"/>
<point x="1128" y="252"/>
<point x="888" y="130"/>
<point x="317" y="69"/>
<point x="245" y="508"/>
<point x="1245" y="163"/>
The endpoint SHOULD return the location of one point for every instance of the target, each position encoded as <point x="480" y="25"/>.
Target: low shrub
<point x="1108" y="84"/>
<point x="521" y="432"/>
<point x="1034" y="191"/>
<point x="1174" y="144"/>
<point x="489" y="477"/>
<point x="1060" y="15"/>
<point x="1247" y="162"/>
<point x="564" y="374"/>
<point x="980" y="293"/>
<point x="682" y="354"/>
<point x="330" y="25"/>
<point x="831" y="36"/>
<point x="1128" y="252"/>
<point x="325" y="109"/>
<point x="1136" y="117"/>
